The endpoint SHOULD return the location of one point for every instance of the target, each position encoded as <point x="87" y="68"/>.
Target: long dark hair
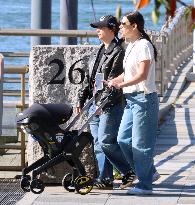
<point x="136" y="17"/>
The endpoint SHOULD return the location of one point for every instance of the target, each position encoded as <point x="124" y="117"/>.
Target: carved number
<point x="60" y="69"/>
<point x="70" y="73"/>
<point x="72" y="69"/>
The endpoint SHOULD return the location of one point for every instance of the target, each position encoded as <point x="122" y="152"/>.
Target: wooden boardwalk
<point x="175" y="150"/>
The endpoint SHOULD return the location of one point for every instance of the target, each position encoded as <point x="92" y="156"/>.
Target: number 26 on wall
<point x="60" y="64"/>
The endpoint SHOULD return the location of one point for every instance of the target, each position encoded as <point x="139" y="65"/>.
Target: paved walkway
<point x="175" y="160"/>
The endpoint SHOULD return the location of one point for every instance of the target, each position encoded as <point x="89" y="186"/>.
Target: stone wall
<point x="49" y="82"/>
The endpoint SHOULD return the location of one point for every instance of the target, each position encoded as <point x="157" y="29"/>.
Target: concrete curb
<point x="28" y="199"/>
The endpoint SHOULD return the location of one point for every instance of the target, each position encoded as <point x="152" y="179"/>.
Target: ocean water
<point x="17" y="14"/>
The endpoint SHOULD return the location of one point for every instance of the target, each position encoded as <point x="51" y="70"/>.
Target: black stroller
<point x="42" y="122"/>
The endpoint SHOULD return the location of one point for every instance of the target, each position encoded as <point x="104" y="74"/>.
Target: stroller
<point x="42" y="122"/>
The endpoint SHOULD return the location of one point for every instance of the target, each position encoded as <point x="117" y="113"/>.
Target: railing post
<point x="40" y="18"/>
<point x="68" y="19"/>
<point x="23" y="148"/>
<point x="22" y="91"/>
<point x="1" y="89"/>
<point x="2" y="151"/>
<point x="22" y="134"/>
<point x="194" y="47"/>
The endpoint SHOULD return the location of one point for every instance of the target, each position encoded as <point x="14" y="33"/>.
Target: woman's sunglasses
<point x="124" y="23"/>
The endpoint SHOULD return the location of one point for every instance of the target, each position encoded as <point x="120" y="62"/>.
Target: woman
<point x="104" y="126"/>
<point x="137" y="131"/>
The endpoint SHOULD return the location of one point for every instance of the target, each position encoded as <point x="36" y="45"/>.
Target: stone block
<point x="55" y="76"/>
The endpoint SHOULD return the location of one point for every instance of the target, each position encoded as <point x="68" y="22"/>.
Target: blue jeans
<point x="104" y="166"/>
<point x="137" y="135"/>
<point x="104" y="129"/>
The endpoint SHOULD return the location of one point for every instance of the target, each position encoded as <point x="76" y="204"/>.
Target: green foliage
<point x="155" y="15"/>
<point x="156" y="11"/>
<point x="187" y="12"/>
<point x="118" y="12"/>
<point x="193" y="27"/>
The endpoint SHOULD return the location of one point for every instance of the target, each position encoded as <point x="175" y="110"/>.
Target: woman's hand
<point x="105" y="82"/>
<point x="112" y="83"/>
<point x="108" y="83"/>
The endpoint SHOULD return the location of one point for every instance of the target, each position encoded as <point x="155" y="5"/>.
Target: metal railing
<point x="176" y="46"/>
<point x="22" y="72"/>
<point x="49" y="33"/>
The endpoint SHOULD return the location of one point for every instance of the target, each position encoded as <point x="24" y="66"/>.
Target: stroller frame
<point x="77" y="180"/>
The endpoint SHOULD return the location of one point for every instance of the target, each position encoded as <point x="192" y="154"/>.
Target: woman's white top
<point x="135" y="53"/>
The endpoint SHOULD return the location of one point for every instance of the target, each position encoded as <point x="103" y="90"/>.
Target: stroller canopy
<point x="52" y="113"/>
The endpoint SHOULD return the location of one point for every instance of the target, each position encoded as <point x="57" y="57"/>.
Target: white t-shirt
<point x="136" y="52"/>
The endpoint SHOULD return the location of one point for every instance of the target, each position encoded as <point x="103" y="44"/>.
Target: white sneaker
<point x="155" y="177"/>
<point x="138" y="191"/>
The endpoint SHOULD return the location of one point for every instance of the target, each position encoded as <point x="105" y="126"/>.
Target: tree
<point x="170" y="5"/>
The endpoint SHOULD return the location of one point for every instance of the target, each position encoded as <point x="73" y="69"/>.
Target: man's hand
<point x="98" y="112"/>
<point x="78" y="109"/>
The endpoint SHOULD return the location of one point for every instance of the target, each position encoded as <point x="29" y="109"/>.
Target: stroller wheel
<point x="25" y="184"/>
<point x="67" y="182"/>
<point x="83" y="184"/>
<point x="37" y="186"/>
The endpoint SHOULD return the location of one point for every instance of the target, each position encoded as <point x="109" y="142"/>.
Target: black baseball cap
<point x="106" y="21"/>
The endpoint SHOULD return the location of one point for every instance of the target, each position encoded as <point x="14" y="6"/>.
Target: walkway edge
<point x="28" y="199"/>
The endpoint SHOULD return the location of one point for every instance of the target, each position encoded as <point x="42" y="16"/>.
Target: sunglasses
<point x="124" y="23"/>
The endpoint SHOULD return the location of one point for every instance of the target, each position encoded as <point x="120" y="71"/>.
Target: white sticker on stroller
<point x="59" y="137"/>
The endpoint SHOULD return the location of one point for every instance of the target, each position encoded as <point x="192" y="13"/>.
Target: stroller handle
<point x="86" y="106"/>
